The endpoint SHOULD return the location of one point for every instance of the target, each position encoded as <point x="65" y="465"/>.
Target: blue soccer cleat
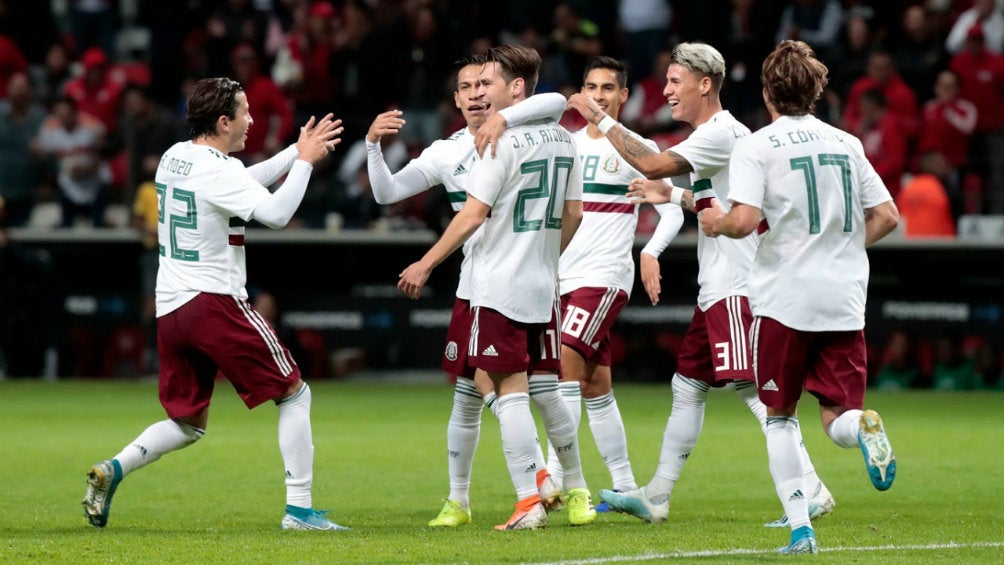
<point x="102" y="480"/>
<point x="297" y="518"/>
<point x="803" y="541"/>
<point x="879" y="458"/>
<point x="637" y="503"/>
<point x="603" y="506"/>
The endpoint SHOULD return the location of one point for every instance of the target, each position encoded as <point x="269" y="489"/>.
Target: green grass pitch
<point x="381" y="469"/>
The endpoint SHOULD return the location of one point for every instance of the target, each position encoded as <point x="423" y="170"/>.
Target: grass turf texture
<point x="381" y="468"/>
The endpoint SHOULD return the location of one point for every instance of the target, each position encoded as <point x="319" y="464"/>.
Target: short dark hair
<point x="603" y="62"/>
<point x="211" y="98"/>
<point x="515" y="62"/>
<point x="459" y="64"/>
<point x="793" y="78"/>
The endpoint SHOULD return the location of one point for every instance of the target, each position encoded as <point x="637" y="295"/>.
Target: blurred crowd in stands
<point x="92" y="91"/>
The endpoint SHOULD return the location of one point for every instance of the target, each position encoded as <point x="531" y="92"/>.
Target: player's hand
<point x="388" y="123"/>
<point x="652" y="191"/>
<point x="318" y="138"/>
<point x="709" y="216"/>
<point x="650" y="276"/>
<point x="413" y="279"/>
<point x="586" y="107"/>
<point x="489" y="134"/>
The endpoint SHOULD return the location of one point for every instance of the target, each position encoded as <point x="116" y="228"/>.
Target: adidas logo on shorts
<point x="769" y="385"/>
<point x="490" y="352"/>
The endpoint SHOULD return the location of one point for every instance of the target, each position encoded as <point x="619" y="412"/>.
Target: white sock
<point x="296" y="443"/>
<point x="786" y="469"/>
<point x="571" y="394"/>
<point x="490" y="401"/>
<point x="155" y="441"/>
<point x="844" y="429"/>
<point x="561" y="431"/>
<point x="462" y="438"/>
<point x="680" y="436"/>
<point x="608" y="430"/>
<point x="519" y="440"/>
<point x="747" y="391"/>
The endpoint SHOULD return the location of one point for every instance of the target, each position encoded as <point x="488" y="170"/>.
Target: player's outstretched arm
<point x="670" y="222"/>
<point x="390" y="188"/>
<point x="539" y="106"/>
<point x="387" y="123"/>
<point x="660" y="192"/>
<point x="315" y="142"/>
<point x="465" y="223"/>
<point x="649" y="162"/>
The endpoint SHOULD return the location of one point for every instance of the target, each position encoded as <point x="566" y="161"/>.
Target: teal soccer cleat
<point x="102" y="480"/>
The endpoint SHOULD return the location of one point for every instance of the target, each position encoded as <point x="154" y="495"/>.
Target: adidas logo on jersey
<point x="461" y="169"/>
<point x="490" y="352"/>
<point x="769" y="385"/>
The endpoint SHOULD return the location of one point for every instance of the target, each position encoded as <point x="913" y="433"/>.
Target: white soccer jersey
<point x="723" y="262"/>
<point x="813" y="185"/>
<point x="515" y="261"/>
<point x="600" y="253"/>
<point x="206" y="198"/>
<point x="448" y="162"/>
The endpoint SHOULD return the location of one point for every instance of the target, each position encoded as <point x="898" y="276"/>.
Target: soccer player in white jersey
<point x="715" y="350"/>
<point x="204" y="321"/>
<point x="527" y="196"/>
<point x="596" y="274"/>
<point x="448" y="162"/>
<point x="808" y="190"/>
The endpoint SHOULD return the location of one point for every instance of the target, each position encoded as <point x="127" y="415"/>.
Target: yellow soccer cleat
<point x="580" y="507"/>
<point x="451" y="516"/>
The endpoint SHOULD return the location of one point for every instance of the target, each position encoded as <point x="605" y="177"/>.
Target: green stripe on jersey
<point x="236" y="222"/>
<point x="600" y="188"/>
<point x="456" y="196"/>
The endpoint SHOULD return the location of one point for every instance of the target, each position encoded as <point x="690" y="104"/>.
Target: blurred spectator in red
<point x="883" y="138"/>
<point x="272" y="110"/>
<point x="949" y="122"/>
<point x="901" y="101"/>
<point x="301" y="67"/>
<point x="20" y="120"/>
<point x="923" y="202"/>
<point x="95" y="91"/>
<point x="235" y="22"/>
<point x="920" y="53"/>
<point x="12" y="61"/>
<point x="984" y="14"/>
<point x="816" y="22"/>
<point x="73" y="138"/>
<point x="646" y="110"/>
<point x="982" y="75"/>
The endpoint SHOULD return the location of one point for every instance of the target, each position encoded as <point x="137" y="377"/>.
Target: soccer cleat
<point x="820" y="505"/>
<point x="879" y="458"/>
<point x="803" y="541"/>
<point x="102" y="480"/>
<point x="451" y="516"/>
<point x="308" y="519"/>
<point x="637" y="503"/>
<point x="580" y="507"/>
<point x="603" y="506"/>
<point x="550" y="492"/>
<point x="529" y="515"/>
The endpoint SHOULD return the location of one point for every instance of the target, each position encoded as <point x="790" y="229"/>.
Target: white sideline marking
<point x="739" y="551"/>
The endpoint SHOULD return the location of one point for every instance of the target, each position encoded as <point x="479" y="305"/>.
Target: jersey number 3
<point x="545" y="188"/>
<point x="188" y="221"/>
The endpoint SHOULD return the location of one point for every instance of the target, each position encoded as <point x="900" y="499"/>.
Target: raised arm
<point x="539" y="106"/>
<point x="271" y="170"/>
<point x="649" y="162"/>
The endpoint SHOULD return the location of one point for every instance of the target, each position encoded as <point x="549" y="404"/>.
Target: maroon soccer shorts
<point x="588" y="313"/>
<point x="715" y="349"/>
<point x="457" y="339"/>
<point x="832" y="366"/>
<point x="211" y="333"/>
<point x="501" y="345"/>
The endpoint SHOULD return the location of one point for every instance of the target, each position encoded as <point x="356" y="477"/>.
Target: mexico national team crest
<point x="451" y="351"/>
<point x="612" y="164"/>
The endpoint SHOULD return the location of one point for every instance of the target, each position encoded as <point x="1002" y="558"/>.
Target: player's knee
<point x="689" y="391"/>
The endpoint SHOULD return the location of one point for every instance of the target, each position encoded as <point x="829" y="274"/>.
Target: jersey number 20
<point x="545" y="188"/>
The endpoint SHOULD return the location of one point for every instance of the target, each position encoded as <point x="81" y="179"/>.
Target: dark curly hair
<point x="793" y="78"/>
<point x="211" y="98"/>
